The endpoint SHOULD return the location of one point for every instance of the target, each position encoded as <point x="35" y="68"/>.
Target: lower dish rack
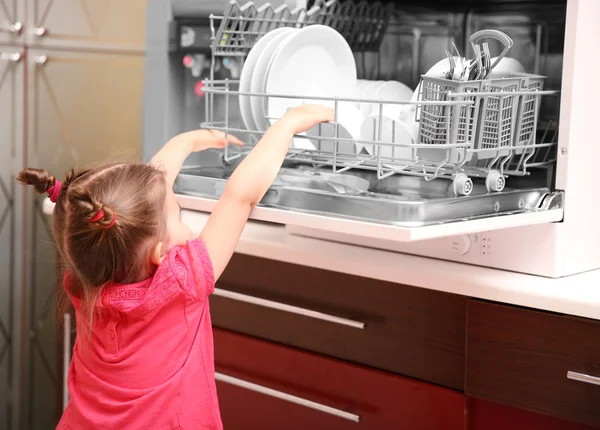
<point x="462" y="130"/>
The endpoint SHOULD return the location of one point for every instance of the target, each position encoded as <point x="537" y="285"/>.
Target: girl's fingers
<point x="234" y="140"/>
<point x="227" y="139"/>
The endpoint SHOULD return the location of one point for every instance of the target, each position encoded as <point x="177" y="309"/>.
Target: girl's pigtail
<point x="41" y="180"/>
<point x="97" y="213"/>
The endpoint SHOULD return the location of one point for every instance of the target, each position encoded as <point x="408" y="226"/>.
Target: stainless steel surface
<point x="286" y="397"/>
<point x="288" y="308"/>
<point x="324" y="181"/>
<point x="396" y="200"/>
<point x="582" y="377"/>
<point x="66" y="357"/>
<point x="537" y="31"/>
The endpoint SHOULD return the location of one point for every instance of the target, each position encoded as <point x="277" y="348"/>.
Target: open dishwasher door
<point x="398" y="208"/>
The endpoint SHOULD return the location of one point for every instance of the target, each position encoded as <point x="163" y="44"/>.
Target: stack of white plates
<point x="315" y="61"/>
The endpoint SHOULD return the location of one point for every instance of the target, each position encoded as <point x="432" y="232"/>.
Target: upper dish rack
<point x="483" y="128"/>
<point x="362" y="24"/>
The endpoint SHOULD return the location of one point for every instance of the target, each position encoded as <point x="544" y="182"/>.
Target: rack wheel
<point x="494" y="181"/>
<point x="462" y="184"/>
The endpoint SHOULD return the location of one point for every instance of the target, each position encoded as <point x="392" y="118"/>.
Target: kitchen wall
<point x="71" y="75"/>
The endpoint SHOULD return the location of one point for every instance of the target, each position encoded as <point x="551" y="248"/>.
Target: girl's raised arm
<point x="251" y="180"/>
<point x="173" y="154"/>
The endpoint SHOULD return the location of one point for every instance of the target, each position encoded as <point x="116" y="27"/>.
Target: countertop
<point x="577" y="295"/>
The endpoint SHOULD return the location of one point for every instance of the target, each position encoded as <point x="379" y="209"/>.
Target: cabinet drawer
<point x="265" y="386"/>
<point x="410" y="331"/>
<point x="526" y="359"/>
<point x="484" y="415"/>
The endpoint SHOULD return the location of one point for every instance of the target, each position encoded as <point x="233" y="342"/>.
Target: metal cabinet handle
<point x="287" y="397"/>
<point x="40" y="31"/>
<point x="582" y="377"/>
<point x="41" y="60"/>
<point x="13" y="57"/>
<point x="66" y="357"/>
<point x="288" y="308"/>
<point x="16" y="28"/>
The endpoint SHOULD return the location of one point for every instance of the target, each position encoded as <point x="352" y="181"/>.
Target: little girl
<point x="139" y="280"/>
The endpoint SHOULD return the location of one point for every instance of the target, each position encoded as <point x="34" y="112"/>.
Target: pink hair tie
<point x="100" y="215"/>
<point x="114" y="220"/>
<point x="54" y="190"/>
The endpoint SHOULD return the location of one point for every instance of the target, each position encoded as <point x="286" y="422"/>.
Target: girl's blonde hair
<point x="106" y="222"/>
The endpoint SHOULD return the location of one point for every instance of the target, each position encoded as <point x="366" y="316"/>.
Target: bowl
<point x="349" y="120"/>
<point x="400" y="134"/>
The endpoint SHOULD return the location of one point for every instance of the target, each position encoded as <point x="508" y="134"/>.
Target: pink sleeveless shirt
<point x="149" y="363"/>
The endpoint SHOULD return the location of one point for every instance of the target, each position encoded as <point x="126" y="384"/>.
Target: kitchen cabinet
<point x="486" y="415"/>
<point x="12" y="21"/>
<point x="71" y="74"/>
<point x="410" y="331"/>
<point x="534" y="360"/>
<point x="107" y="24"/>
<point x="378" y="400"/>
<point x="11" y="199"/>
<point x="515" y="360"/>
<point x="82" y="108"/>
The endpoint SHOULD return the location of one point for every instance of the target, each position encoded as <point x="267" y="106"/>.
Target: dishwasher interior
<point x="484" y="148"/>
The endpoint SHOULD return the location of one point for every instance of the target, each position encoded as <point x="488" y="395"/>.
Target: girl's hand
<point x="305" y="117"/>
<point x="201" y="140"/>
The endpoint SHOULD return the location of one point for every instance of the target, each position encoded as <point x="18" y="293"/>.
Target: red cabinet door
<point x="484" y="415"/>
<point x="266" y="386"/>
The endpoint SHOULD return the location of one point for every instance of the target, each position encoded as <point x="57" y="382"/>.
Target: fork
<point x="488" y="60"/>
<point x="450" y="73"/>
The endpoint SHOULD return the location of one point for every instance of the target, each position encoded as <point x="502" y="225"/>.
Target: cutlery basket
<point x="500" y="116"/>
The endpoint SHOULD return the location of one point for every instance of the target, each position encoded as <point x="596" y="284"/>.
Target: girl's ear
<point x="157" y="255"/>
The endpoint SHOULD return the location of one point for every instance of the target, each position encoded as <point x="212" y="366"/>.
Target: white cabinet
<point x="12" y="21"/>
<point x="98" y="24"/>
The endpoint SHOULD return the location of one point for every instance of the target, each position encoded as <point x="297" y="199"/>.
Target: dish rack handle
<point x="492" y="34"/>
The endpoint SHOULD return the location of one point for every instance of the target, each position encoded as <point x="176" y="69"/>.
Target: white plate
<point x="314" y="61"/>
<point x="394" y="131"/>
<point x="360" y="84"/>
<point x="508" y="65"/>
<point x="392" y="91"/>
<point x="349" y="119"/>
<point x="367" y="91"/>
<point x="259" y="77"/>
<point x="247" y="72"/>
<point x="443" y="66"/>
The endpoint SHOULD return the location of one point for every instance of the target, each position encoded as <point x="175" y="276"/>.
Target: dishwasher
<point x="489" y="179"/>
